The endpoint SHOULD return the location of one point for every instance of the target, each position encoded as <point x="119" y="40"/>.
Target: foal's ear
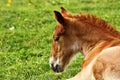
<point x="59" y="17"/>
<point x="65" y="13"/>
<point x="63" y="10"/>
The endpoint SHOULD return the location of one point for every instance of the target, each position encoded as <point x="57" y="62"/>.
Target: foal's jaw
<point x="56" y="65"/>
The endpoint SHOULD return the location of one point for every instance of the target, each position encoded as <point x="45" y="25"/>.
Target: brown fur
<point x="91" y="36"/>
<point x="99" y="23"/>
<point x="93" y="20"/>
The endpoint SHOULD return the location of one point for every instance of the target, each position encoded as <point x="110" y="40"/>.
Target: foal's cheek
<point x="59" y="48"/>
<point x="52" y="53"/>
<point x="68" y="57"/>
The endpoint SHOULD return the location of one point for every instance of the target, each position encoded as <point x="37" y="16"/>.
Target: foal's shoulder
<point x="111" y="54"/>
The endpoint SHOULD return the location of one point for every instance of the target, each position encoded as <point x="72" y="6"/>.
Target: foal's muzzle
<point x="56" y="68"/>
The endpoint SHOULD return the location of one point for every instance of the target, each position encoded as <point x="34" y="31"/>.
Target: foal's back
<point x="107" y="64"/>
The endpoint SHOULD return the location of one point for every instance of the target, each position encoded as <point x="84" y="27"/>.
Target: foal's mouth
<point x="56" y="65"/>
<point x="57" y="68"/>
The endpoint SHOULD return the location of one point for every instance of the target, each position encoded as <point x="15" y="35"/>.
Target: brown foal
<point x="96" y="39"/>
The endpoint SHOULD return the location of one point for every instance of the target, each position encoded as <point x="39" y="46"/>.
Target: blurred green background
<point x="26" y="28"/>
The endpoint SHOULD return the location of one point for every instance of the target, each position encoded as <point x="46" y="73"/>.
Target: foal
<point x="97" y="40"/>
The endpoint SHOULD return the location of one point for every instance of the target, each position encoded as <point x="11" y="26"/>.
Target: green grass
<point x="26" y="35"/>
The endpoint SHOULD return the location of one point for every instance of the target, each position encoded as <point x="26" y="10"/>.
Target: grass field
<point x="26" y="29"/>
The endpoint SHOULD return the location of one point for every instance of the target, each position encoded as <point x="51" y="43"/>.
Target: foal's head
<point x="64" y="45"/>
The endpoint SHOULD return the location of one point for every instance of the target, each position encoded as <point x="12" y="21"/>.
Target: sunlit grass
<point x="26" y="30"/>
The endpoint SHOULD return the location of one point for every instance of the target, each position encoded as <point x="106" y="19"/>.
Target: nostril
<point x="52" y="65"/>
<point x="57" y="66"/>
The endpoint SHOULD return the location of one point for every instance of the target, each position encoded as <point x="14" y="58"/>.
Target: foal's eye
<point x="56" y="38"/>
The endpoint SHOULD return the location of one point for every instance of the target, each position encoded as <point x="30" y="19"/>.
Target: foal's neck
<point x="86" y="47"/>
<point x="89" y="38"/>
<point x="89" y="44"/>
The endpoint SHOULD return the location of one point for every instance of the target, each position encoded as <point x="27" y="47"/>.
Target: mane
<point x="99" y="23"/>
